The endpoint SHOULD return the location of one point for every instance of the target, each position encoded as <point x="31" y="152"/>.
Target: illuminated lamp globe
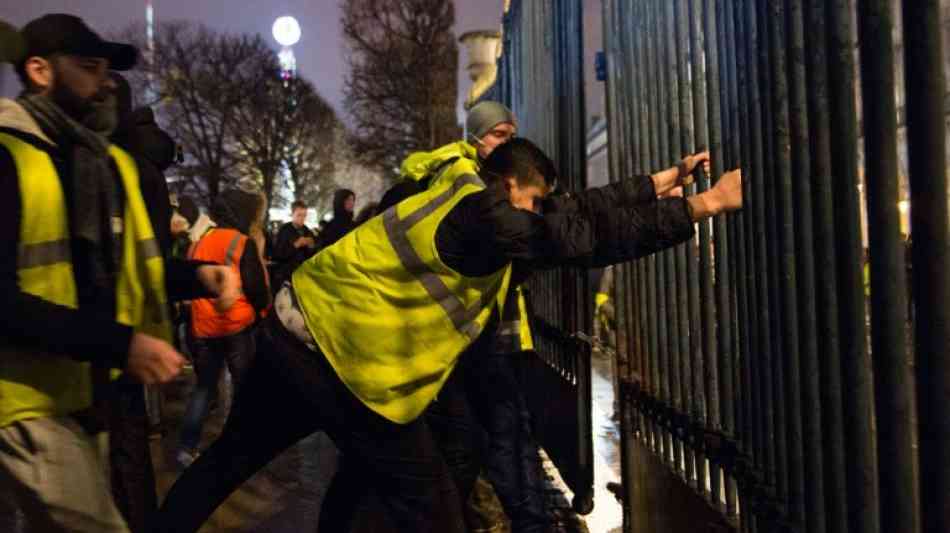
<point x="286" y="31"/>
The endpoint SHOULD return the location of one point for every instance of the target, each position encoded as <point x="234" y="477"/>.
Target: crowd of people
<point x="398" y="332"/>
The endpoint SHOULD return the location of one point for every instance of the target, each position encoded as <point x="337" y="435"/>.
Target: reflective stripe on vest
<point x="463" y="318"/>
<point x="514" y="331"/>
<point x="389" y="316"/>
<point x="141" y="301"/>
<point x="224" y="247"/>
<point x="47" y="385"/>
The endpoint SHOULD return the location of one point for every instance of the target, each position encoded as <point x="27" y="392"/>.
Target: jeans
<point x="290" y="392"/>
<point x="512" y="462"/>
<point x="210" y="357"/>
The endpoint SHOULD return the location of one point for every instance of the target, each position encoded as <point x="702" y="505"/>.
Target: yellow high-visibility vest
<point x="41" y="385"/>
<point x="388" y="314"/>
<point x="514" y="332"/>
<point x="451" y="162"/>
<point x="460" y="157"/>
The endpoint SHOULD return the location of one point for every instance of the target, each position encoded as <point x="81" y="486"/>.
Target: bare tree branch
<point x="401" y="88"/>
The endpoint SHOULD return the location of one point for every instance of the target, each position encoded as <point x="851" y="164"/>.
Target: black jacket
<point x="596" y="227"/>
<point x="154" y="152"/>
<point x="286" y="257"/>
<point x="341" y="224"/>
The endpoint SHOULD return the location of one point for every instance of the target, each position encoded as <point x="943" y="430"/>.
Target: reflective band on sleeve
<point x="148" y="248"/>
<point x="43" y="254"/>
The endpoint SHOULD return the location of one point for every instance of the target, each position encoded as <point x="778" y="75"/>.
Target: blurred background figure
<point x="342" y="223"/>
<point x="295" y="244"/>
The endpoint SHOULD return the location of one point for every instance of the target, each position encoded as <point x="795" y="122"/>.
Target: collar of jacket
<point x="14" y="116"/>
<point x="420" y="164"/>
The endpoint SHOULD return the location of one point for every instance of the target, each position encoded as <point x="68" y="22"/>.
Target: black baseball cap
<point x="11" y="43"/>
<point x="68" y="34"/>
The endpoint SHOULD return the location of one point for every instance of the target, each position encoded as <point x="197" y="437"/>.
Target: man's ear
<point x="39" y="73"/>
<point x="510" y="183"/>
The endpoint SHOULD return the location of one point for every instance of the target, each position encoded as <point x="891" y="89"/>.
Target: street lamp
<point x="286" y="32"/>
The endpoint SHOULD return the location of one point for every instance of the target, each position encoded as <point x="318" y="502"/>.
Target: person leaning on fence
<point x="360" y="348"/>
<point x="82" y="276"/>
<point x="488" y="125"/>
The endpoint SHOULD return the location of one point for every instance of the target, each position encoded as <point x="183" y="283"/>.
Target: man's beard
<point x="98" y="113"/>
<point x="103" y="117"/>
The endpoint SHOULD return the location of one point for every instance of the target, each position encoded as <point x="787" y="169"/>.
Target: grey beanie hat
<point x="486" y="115"/>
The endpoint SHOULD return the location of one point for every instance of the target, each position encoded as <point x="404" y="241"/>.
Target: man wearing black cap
<point x="81" y="275"/>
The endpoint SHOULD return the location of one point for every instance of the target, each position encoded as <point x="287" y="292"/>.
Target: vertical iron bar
<point x="705" y="360"/>
<point x="857" y="385"/>
<point x="833" y="454"/>
<point x="652" y="266"/>
<point x="638" y="118"/>
<point x="720" y="416"/>
<point x="790" y="345"/>
<point x="672" y="279"/>
<point x="926" y="135"/>
<point x="745" y="274"/>
<point x="756" y="180"/>
<point x="893" y="377"/>
<point x="811" y="473"/>
<point x="730" y="143"/>
<point x="684" y="259"/>
<point x="644" y="104"/>
<point x="616" y="124"/>
<point x="773" y="232"/>
<point x="658" y="154"/>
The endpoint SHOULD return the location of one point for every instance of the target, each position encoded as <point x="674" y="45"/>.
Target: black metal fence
<point x="541" y="79"/>
<point x="762" y="369"/>
<point x="789" y="389"/>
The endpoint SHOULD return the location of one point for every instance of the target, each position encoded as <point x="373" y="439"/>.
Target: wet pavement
<point x="607" y="516"/>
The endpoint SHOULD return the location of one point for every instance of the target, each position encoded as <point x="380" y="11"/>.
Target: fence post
<point x="893" y="377"/>
<point x="926" y="135"/>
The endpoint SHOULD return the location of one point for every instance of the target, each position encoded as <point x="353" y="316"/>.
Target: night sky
<point x="320" y="52"/>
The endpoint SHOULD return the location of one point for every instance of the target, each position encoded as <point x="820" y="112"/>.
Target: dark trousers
<point x="290" y="392"/>
<point x="351" y="503"/>
<point x="512" y="463"/>
<point x="210" y="356"/>
<point x="130" y="459"/>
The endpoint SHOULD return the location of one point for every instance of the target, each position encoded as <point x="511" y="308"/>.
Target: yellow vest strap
<point x="396" y="228"/>
<point x="43" y="254"/>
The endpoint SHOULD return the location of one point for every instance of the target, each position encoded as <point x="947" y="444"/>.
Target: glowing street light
<point x="286" y="32"/>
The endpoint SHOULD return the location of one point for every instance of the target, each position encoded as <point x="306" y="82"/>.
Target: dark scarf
<point x="95" y="193"/>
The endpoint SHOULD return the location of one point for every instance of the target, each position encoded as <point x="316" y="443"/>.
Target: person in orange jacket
<point x="225" y="335"/>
